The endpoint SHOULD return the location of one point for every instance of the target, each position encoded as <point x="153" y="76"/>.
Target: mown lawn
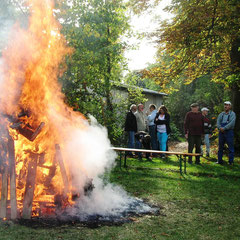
<point x="203" y="204"/>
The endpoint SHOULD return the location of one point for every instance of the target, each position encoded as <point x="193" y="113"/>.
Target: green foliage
<point x="134" y="85"/>
<point x="175" y="132"/>
<point x="203" y="91"/>
<point x="94" y="29"/>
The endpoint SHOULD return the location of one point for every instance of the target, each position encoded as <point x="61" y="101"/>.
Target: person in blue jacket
<point x="151" y="114"/>
<point x="225" y="124"/>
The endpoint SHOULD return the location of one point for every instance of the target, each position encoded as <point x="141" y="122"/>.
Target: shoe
<point x="163" y="156"/>
<point x="221" y="163"/>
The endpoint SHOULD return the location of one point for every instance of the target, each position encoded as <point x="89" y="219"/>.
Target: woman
<point x="162" y="122"/>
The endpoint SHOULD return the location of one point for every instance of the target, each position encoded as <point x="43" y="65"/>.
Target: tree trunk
<point x="235" y="61"/>
<point x="236" y="109"/>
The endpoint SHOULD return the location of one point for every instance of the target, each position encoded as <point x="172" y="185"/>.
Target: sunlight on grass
<point x="203" y="204"/>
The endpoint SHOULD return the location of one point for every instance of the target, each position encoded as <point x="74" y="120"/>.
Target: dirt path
<point x="178" y="146"/>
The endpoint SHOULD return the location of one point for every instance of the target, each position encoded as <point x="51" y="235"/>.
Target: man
<point x="207" y="130"/>
<point x="193" y="127"/>
<point x="141" y="126"/>
<point x="131" y="126"/>
<point x="151" y="125"/>
<point x="225" y="124"/>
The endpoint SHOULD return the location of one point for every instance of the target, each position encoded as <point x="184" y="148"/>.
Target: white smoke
<point x="95" y="157"/>
<point x="91" y="147"/>
<point x="7" y="20"/>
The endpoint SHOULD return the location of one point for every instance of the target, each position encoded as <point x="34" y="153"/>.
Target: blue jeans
<point x="207" y="144"/>
<point x="226" y="137"/>
<point x="162" y="138"/>
<point x="153" y="134"/>
<point x="139" y="146"/>
<point x="131" y="139"/>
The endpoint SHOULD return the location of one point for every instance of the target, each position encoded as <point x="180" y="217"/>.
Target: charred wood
<point x="13" y="198"/>
<point x="30" y="187"/>
<point x="58" y="157"/>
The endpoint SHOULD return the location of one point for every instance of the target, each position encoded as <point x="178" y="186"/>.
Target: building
<point x="153" y="97"/>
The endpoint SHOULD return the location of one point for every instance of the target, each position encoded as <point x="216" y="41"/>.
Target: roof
<point x="144" y="90"/>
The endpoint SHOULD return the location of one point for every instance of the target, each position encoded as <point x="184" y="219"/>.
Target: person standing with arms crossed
<point x="162" y="122"/>
<point x="193" y="127"/>
<point x="225" y="124"/>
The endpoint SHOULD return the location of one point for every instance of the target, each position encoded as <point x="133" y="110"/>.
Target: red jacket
<point x="194" y="123"/>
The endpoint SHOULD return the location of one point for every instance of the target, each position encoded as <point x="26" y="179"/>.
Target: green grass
<point x="203" y="204"/>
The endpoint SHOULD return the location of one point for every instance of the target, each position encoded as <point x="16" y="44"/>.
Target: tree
<point x="93" y="28"/>
<point x="202" y="38"/>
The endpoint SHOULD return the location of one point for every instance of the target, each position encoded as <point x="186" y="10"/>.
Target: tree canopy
<point x="202" y="38"/>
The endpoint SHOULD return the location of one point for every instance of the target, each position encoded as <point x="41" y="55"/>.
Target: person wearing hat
<point x="193" y="128"/>
<point x="225" y="124"/>
<point x="207" y="130"/>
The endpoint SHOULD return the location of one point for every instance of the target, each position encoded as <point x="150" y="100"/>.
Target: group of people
<point x="197" y="124"/>
<point x="151" y="130"/>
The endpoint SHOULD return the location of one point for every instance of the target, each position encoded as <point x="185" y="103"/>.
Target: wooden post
<point x="4" y="193"/>
<point x="4" y="190"/>
<point x="30" y="187"/>
<point x="11" y="158"/>
<point x="59" y="158"/>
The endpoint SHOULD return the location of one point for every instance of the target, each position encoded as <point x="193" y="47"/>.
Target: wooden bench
<point x="180" y="155"/>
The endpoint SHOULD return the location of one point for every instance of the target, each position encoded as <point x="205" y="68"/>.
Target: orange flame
<point x="31" y="70"/>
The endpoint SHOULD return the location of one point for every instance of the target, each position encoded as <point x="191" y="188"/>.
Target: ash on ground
<point x="124" y="214"/>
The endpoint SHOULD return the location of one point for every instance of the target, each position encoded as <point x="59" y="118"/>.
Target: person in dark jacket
<point x="162" y="121"/>
<point x="193" y="127"/>
<point x="207" y="130"/>
<point x="131" y="126"/>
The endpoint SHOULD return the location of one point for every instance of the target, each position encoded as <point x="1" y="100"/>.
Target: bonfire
<point x="35" y="122"/>
<point x="51" y="158"/>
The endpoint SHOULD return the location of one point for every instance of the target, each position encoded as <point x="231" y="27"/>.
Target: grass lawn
<point x="203" y="204"/>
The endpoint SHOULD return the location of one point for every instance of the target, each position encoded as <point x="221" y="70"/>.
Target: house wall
<point x="153" y="99"/>
<point x="120" y="95"/>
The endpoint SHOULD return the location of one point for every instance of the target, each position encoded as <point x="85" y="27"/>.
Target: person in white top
<point x="162" y="122"/>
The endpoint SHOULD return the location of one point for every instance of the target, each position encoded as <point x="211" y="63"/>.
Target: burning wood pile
<point x="37" y="174"/>
<point x="26" y="207"/>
